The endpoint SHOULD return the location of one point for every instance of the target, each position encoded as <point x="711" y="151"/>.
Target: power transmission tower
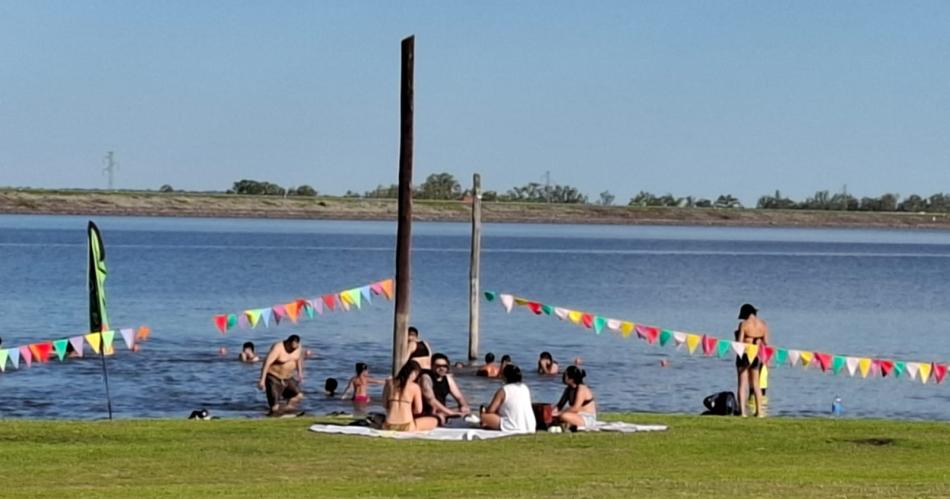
<point x="111" y="166"/>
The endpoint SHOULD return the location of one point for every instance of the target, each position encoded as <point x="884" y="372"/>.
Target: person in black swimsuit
<point x="752" y="331"/>
<point x="437" y="384"/>
<point x="419" y="350"/>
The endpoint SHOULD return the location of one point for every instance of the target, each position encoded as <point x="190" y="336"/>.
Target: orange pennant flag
<point x="142" y="333"/>
<point x="292" y="310"/>
<point x="387" y="286"/>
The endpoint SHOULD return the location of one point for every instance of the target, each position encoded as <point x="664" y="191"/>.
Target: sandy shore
<point x="97" y="203"/>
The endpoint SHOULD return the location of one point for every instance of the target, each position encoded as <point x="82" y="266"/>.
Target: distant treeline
<point x="444" y="186"/>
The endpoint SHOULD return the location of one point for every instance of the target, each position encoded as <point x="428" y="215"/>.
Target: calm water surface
<point x="857" y="292"/>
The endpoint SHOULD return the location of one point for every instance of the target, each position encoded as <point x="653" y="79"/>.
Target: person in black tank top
<point x="437" y="384"/>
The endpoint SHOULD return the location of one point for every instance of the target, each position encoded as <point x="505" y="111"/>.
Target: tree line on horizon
<point x="444" y="186"/>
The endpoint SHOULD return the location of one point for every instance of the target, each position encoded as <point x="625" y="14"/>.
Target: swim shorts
<point x="278" y="389"/>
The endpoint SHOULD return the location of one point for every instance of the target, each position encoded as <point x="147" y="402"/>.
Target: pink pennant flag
<point x="243" y="323"/>
<point x="709" y="345"/>
<point x="508" y="301"/>
<point x="78" y="343"/>
<point x="26" y="356"/>
<point x="317" y="305"/>
<point x="940" y="372"/>
<point x="376" y="288"/>
<point x="128" y="335"/>
<point x="648" y="333"/>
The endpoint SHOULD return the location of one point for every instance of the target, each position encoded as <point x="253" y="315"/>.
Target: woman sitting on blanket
<point x="404" y="401"/>
<point x="581" y="409"/>
<point x="510" y="408"/>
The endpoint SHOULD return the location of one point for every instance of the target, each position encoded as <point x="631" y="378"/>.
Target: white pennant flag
<point x="852" y="365"/>
<point x="613" y="324"/>
<point x="793" y="356"/>
<point x="561" y="313"/>
<point x="737" y="347"/>
<point x="679" y="337"/>
<point x="912" y="369"/>
<point x="508" y="301"/>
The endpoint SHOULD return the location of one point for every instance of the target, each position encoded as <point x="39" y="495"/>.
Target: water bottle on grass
<point x="836" y="408"/>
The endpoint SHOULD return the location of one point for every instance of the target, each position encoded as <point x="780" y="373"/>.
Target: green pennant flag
<point x="547" y="309"/>
<point x="490" y="295"/>
<point x="3" y="359"/>
<point x="665" y="337"/>
<point x="781" y="355"/>
<point x="599" y="323"/>
<point x="899" y="368"/>
<point x="722" y="349"/>
<point x="232" y="321"/>
<point x="837" y="364"/>
<point x="60" y="347"/>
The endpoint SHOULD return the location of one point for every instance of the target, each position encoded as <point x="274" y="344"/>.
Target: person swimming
<point x="490" y="369"/>
<point x="359" y="384"/>
<point x="330" y="386"/>
<point x="754" y="331"/>
<point x="248" y="355"/>
<point x="547" y="364"/>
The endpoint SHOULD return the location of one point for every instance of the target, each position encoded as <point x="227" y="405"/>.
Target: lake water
<point x="856" y="292"/>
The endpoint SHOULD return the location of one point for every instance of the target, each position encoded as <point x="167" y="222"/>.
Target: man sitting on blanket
<point x="437" y="384"/>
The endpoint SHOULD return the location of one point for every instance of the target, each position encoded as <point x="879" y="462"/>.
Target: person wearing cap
<point x="754" y="331"/>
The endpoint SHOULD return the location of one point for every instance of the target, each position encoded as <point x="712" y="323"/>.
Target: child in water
<point x="359" y="384"/>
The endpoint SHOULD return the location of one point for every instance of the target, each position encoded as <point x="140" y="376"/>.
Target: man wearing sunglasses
<point x="437" y="384"/>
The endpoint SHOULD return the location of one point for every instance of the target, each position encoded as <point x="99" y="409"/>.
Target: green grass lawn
<point x="698" y="456"/>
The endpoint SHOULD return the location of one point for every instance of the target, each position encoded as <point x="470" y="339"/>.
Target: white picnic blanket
<point x="457" y="434"/>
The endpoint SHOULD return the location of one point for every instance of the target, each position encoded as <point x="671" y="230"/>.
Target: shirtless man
<point x="754" y="331"/>
<point x="277" y="374"/>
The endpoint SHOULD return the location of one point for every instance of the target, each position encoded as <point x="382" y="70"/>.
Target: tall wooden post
<point x="404" y="229"/>
<point x="474" y="264"/>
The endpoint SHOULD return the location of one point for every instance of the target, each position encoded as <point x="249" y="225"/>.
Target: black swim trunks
<point x="743" y="362"/>
<point x="278" y="389"/>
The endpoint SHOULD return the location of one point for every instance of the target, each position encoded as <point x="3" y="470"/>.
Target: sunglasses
<point x="437" y="366"/>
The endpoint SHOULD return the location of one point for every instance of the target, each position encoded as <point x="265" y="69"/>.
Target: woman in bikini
<point x="359" y="384"/>
<point x="419" y="350"/>
<point x="577" y="406"/>
<point x="404" y="401"/>
<point x="753" y="331"/>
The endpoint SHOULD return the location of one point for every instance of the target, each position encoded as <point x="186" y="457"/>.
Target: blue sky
<point x="693" y="98"/>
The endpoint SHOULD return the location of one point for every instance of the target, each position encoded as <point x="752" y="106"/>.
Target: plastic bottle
<point x="837" y="408"/>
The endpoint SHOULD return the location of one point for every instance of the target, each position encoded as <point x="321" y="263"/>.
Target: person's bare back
<point x="754" y="330"/>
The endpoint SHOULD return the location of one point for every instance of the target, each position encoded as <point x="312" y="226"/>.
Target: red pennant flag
<point x="329" y="301"/>
<point x="824" y="360"/>
<point x="535" y="307"/>
<point x="648" y="333"/>
<point x="709" y="345"/>
<point x="588" y="320"/>
<point x="221" y="321"/>
<point x="41" y="351"/>
<point x="886" y="367"/>
<point x="765" y="354"/>
<point x="940" y="371"/>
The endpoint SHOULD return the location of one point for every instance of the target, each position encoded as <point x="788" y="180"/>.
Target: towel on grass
<point x="457" y="434"/>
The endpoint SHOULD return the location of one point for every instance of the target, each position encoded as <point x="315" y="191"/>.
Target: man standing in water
<point x="752" y="330"/>
<point x="277" y="374"/>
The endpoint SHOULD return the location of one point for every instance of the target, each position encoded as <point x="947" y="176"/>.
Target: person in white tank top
<point x="510" y="408"/>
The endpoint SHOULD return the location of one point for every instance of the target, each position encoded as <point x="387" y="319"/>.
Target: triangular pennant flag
<point x="648" y="333"/>
<point x="765" y="354"/>
<point x="793" y="356"/>
<point x="107" y="337"/>
<point x="367" y="295"/>
<point x="41" y="351"/>
<point x="599" y="323"/>
<point x="613" y="324"/>
<point x="781" y="355"/>
<point x="535" y="307"/>
<point x="924" y="371"/>
<point x="837" y="364"/>
<point x="547" y="309"/>
<point x="886" y="367"/>
<point x="709" y="345"/>
<point x="521" y="301"/>
<point x="588" y="320"/>
<point x="221" y="322"/>
<point x="387" y="287"/>
<point x="317" y="305"/>
<point x="356" y="297"/>
<point x="627" y="328"/>
<point x="3" y="360"/>
<point x="266" y="314"/>
<point x="232" y="321"/>
<point x="277" y="313"/>
<point x="912" y="368"/>
<point x="679" y="338"/>
<point x="751" y="351"/>
<point x="737" y="347"/>
<point x="330" y="301"/>
<point x="824" y="360"/>
<point x="242" y="321"/>
<point x="253" y="316"/>
<point x="93" y="339"/>
<point x="141" y="334"/>
<point x="306" y="306"/>
<point x="489" y="295"/>
<point x="806" y="358"/>
<point x="344" y="304"/>
<point x="14" y="355"/>
<point x="78" y="345"/>
<point x="26" y="356"/>
<point x="692" y="341"/>
<point x="292" y="310"/>
<point x="852" y="363"/>
<point x="940" y="372"/>
<point x="899" y="369"/>
<point x="128" y="336"/>
<point x="561" y="313"/>
<point x="574" y="316"/>
<point x="665" y="336"/>
<point x="865" y="365"/>
<point x="508" y="301"/>
<point x="722" y="349"/>
<point x="378" y="290"/>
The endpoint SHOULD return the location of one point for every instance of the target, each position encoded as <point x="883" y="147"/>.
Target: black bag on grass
<point x="721" y="404"/>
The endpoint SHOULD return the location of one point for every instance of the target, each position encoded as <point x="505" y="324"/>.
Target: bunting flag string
<point x="299" y="308"/>
<point x="63" y="348"/>
<point x="720" y="348"/>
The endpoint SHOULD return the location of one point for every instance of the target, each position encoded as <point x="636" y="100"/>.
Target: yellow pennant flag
<point x="253" y="316"/>
<point x="626" y="328"/>
<point x="575" y="316"/>
<point x="93" y="339"/>
<point x="807" y="358"/>
<point x="751" y="351"/>
<point x="924" y="372"/>
<point x="692" y="341"/>
<point x="521" y="301"/>
<point x="865" y="366"/>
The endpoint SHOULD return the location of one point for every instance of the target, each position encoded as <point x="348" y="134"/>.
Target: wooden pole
<point x="474" y="264"/>
<point x="404" y="228"/>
